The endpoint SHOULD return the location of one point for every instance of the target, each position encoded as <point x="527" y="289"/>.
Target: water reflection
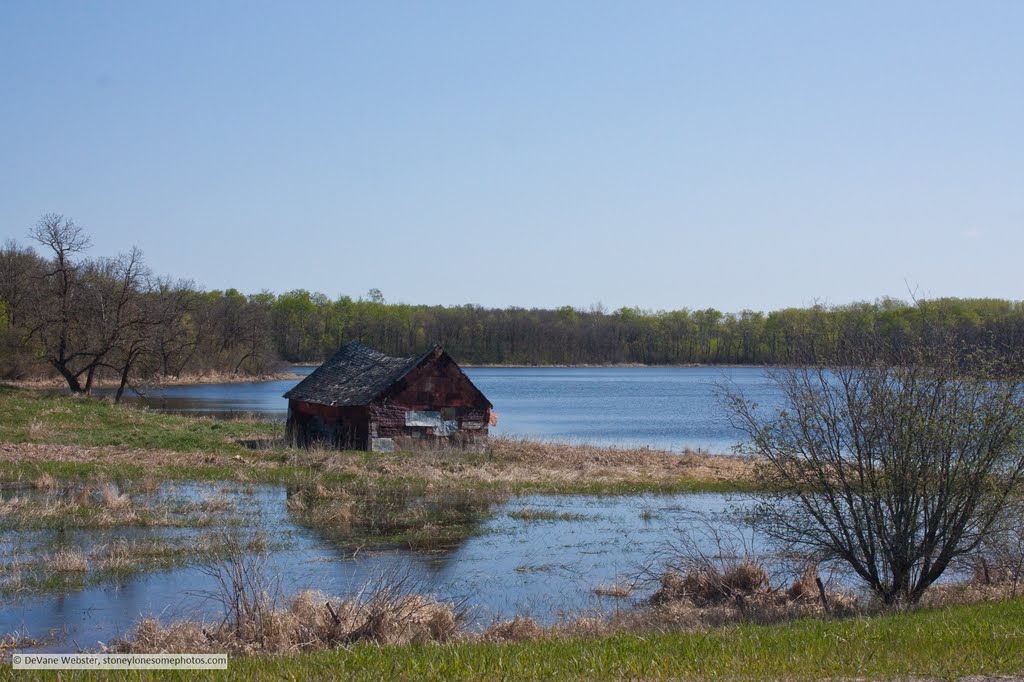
<point x="545" y="563"/>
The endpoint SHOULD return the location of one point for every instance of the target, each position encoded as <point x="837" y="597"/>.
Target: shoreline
<point x="599" y="365"/>
<point x="58" y="383"/>
<point x="615" y="365"/>
<point x="55" y="434"/>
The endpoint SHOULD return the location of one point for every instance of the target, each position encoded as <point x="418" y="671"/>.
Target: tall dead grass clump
<point x="256" y="619"/>
<point x="44" y="481"/>
<point x="518" y="629"/>
<point x="323" y="507"/>
<point x="68" y="561"/>
<point x="112" y="499"/>
<point x="117" y="556"/>
<point x="615" y="590"/>
<point x="707" y="585"/>
<point x="309" y="621"/>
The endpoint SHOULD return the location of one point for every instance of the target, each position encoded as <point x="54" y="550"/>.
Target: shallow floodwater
<point x="544" y="568"/>
<point x="660" y="407"/>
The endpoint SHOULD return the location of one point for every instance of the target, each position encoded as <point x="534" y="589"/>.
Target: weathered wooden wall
<point x="337" y="427"/>
<point x="434" y="405"/>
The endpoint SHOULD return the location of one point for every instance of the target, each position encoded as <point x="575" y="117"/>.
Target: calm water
<point x="668" y="408"/>
<point x="547" y="569"/>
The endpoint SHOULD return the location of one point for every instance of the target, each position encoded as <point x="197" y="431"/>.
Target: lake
<point x="668" y="408"/>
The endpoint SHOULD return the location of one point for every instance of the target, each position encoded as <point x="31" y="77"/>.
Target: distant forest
<point x="84" y="318"/>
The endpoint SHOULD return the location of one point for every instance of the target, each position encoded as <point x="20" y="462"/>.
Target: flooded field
<point x="541" y="556"/>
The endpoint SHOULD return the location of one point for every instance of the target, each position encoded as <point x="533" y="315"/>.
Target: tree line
<point x="111" y="317"/>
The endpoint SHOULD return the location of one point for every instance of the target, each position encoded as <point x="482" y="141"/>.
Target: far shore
<point x="600" y="365"/>
<point x="57" y="383"/>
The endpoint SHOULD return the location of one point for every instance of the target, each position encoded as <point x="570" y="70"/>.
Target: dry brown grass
<point x="976" y="589"/>
<point x="100" y="504"/>
<point x="310" y="621"/>
<point x="706" y="597"/>
<point x="114" y="457"/>
<point x="518" y="629"/>
<point x="215" y="504"/>
<point x="511" y="461"/>
<point x="323" y="507"/>
<point x="615" y="591"/>
<point x="37" y="428"/>
<point x="508" y="463"/>
<point x="706" y="585"/>
<point x="44" y="482"/>
<point x="68" y="560"/>
<point x="112" y="499"/>
<point x="18" y="641"/>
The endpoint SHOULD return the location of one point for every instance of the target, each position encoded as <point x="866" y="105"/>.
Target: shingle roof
<point x="355" y="375"/>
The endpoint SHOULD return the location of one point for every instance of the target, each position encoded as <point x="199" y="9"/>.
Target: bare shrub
<point x="710" y="560"/>
<point x="1000" y="558"/>
<point x="897" y="461"/>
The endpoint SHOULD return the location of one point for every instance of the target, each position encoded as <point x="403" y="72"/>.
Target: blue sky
<point x="662" y="155"/>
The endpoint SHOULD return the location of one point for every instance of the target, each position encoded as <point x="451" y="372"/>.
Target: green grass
<point x="942" y="644"/>
<point x="56" y="419"/>
<point x="217" y="453"/>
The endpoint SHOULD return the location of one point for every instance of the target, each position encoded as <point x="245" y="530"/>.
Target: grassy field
<point x="946" y="644"/>
<point x="67" y="437"/>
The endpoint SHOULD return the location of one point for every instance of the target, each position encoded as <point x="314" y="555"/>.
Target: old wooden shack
<point x="362" y="399"/>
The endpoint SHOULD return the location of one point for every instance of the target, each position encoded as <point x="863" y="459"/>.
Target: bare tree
<point x="176" y="338"/>
<point x="117" y="314"/>
<point x="91" y="315"/>
<point x="894" y="468"/>
<point x="56" y="322"/>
